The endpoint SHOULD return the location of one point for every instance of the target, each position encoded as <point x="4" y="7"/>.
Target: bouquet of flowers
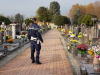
<point x="74" y="41"/>
<point x="70" y="32"/>
<point x="2" y="30"/>
<point x="82" y="48"/>
<point x="80" y="35"/>
<point x="23" y="36"/>
<point x="8" y="37"/>
<point x="65" y="32"/>
<point x="88" y="41"/>
<point x="72" y="36"/>
<point x="5" y="46"/>
<point x="94" y="51"/>
<point x="10" y="40"/>
<point x="19" y="37"/>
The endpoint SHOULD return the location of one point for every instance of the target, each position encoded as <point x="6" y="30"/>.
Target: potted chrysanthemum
<point x="82" y="48"/>
<point x="10" y="41"/>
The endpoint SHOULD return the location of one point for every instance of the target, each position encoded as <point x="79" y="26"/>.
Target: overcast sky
<point x="29" y="7"/>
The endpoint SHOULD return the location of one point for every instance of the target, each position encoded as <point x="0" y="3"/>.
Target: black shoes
<point x="33" y="61"/>
<point x="38" y="62"/>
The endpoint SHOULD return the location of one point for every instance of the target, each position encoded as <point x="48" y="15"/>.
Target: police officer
<point x="35" y="38"/>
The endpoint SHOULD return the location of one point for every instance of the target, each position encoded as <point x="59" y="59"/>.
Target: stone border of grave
<point x="15" y="53"/>
<point x="74" y="64"/>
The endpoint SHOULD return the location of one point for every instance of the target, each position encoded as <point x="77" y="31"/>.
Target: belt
<point x="35" y="39"/>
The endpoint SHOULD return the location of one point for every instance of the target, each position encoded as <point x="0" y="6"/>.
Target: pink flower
<point x="3" y="33"/>
<point x="97" y="56"/>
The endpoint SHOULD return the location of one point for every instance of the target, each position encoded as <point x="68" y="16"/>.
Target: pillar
<point x="13" y="30"/>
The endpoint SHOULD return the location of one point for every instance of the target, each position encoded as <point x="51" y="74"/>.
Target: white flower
<point x="99" y="58"/>
<point x="96" y="50"/>
<point x="72" y="36"/>
<point x="85" y="35"/>
<point x="19" y="36"/>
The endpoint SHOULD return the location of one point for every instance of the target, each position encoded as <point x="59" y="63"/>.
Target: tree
<point x="4" y="19"/>
<point x="90" y="8"/>
<point x="19" y="18"/>
<point x="28" y="21"/>
<point x="73" y="10"/>
<point x="55" y="9"/>
<point x="83" y="9"/>
<point x="61" y="20"/>
<point x="11" y="18"/>
<point x="77" y="15"/>
<point x="44" y="14"/>
<point x="80" y="19"/>
<point x="87" y="19"/>
<point x="97" y="9"/>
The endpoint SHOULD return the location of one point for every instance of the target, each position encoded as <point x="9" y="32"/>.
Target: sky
<point x="29" y="7"/>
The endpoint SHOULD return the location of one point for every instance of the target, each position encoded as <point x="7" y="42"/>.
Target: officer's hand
<point x="41" y="42"/>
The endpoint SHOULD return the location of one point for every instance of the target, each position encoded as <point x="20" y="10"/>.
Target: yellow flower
<point x="79" y="36"/>
<point x="90" y="52"/>
<point x="2" y="30"/>
<point x="73" y="34"/>
<point x="79" y="42"/>
<point x="70" y="31"/>
<point x="9" y="29"/>
<point x="74" y="41"/>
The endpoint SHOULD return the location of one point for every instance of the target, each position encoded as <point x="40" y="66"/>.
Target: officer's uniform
<point x="34" y="37"/>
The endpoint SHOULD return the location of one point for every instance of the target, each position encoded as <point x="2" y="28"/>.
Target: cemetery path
<point x="52" y="56"/>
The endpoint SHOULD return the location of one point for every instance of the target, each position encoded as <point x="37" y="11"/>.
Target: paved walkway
<point x="54" y="61"/>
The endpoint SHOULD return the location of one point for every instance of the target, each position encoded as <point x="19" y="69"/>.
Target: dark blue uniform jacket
<point x="35" y="32"/>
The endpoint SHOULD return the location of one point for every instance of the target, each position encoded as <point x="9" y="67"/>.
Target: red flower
<point x="82" y="47"/>
<point x="65" y="32"/>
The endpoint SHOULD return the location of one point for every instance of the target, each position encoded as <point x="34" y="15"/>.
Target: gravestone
<point x="88" y="33"/>
<point x="83" y="27"/>
<point x="4" y="36"/>
<point x="1" y="37"/>
<point x="90" y="36"/>
<point x="76" y="31"/>
<point x="66" y="27"/>
<point x="23" y="26"/>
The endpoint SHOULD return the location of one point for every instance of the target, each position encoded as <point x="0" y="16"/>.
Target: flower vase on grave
<point x="96" y="64"/>
<point x="92" y="56"/>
